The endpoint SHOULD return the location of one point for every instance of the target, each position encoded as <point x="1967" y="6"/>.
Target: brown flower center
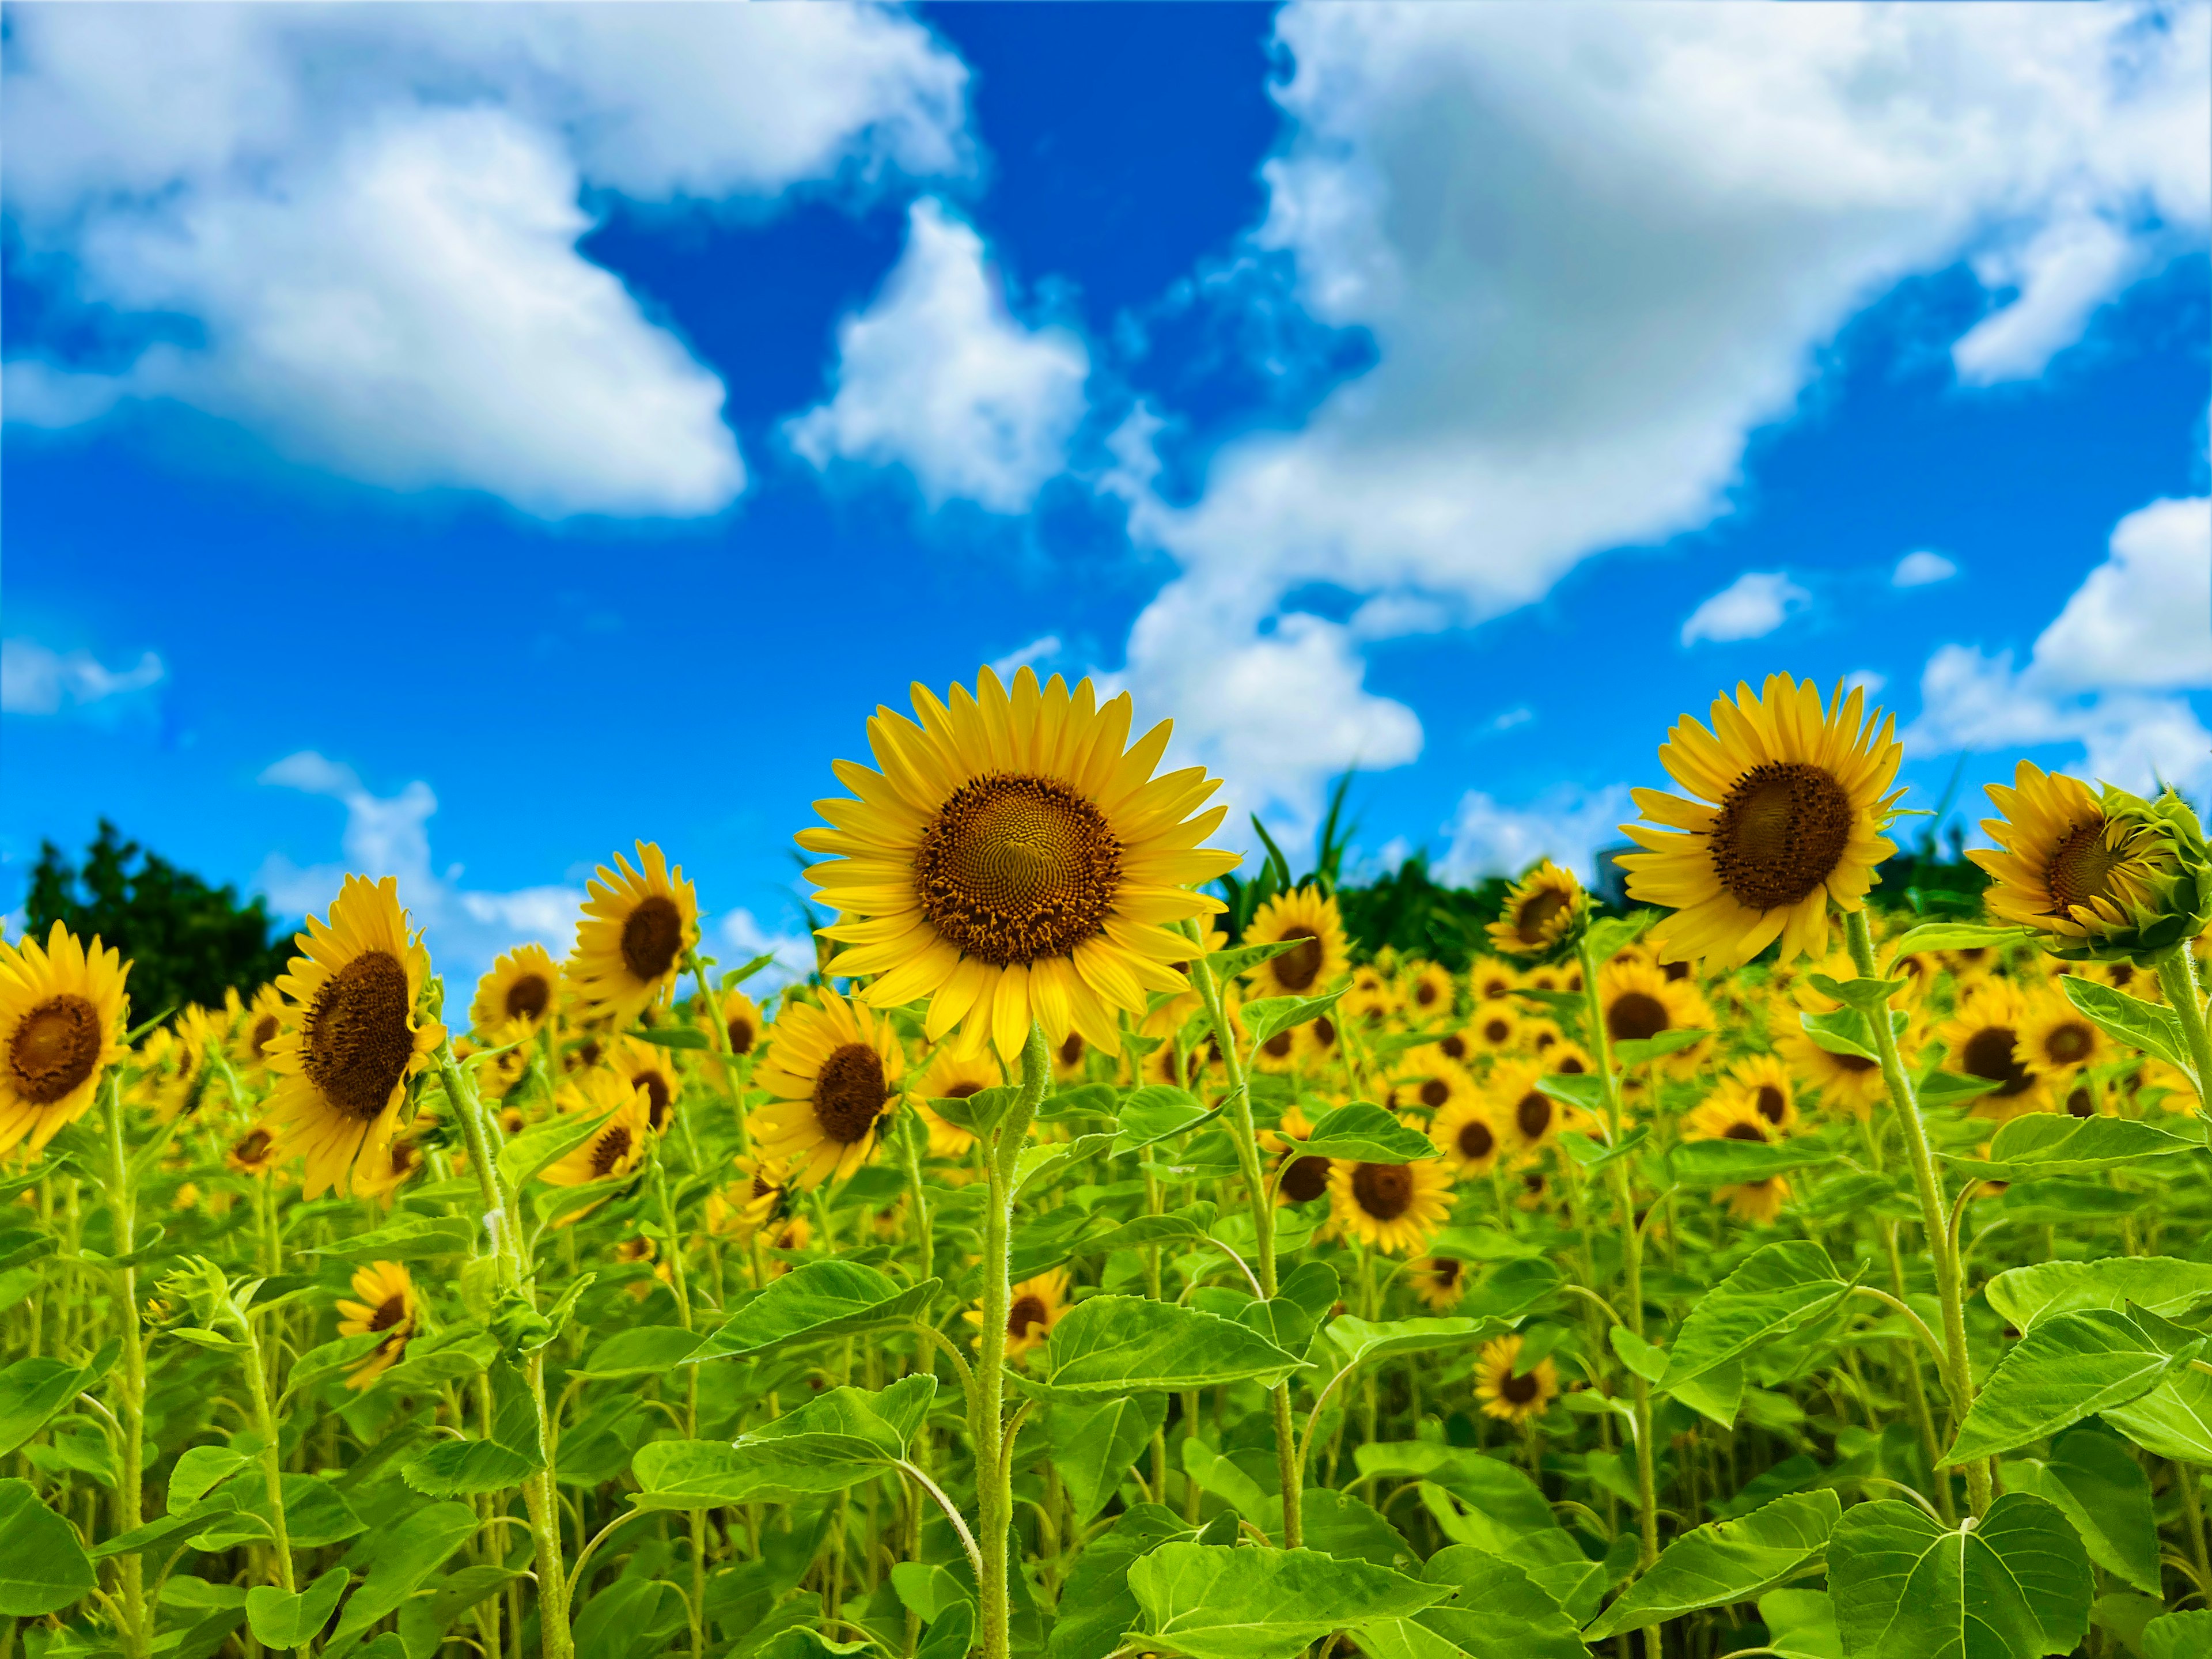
<point x="1325" y="1032"/>
<point x="1297" y="967"/>
<point x="1435" y="1092"/>
<point x="2081" y="867"/>
<point x="392" y="1311"/>
<point x="1385" y="1191"/>
<point x="1745" y="1132"/>
<point x="1852" y="1062"/>
<point x="1306" y="1179"/>
<point x="1425" y="993"/>
<point x="1476" y="1142"/>
<point x="1014" y="869"/>
<point x="1773" y="1105"/>
<point x="1635" y="1015"/>
<point x="56" y="1047"/>
<point x="358" y="1043"/>
<point x="1027" y="1312"/>
<point x="1071" y="1052"/>
<point x="1533" y="1112"/>
<point x="530" y="995"/>
<point x="659" y="1096"/>
<point x="849" y="1093"/>
<point x="252" y="1147"/>
<point x="1780" y="833"/>
<point x="610" y="1150"/>
<point x="1444" y="1271"/>
<point x="1455" y="1047"/>
<point x="1990" y="1053"/>
<point x="1278" y="1047"/>
<point x="1496" y="1030"/>
<point x="1571" y="1066"/>
<point x="2071" y="1043"/>
<point x="741" y="1034"/>
<point x="1520" y="1387"/>
<point x="652" y="936"/>
<point x="2078" y="1104"/>
<point x="1536" y="912"/>
<point x="263" y="1029"/>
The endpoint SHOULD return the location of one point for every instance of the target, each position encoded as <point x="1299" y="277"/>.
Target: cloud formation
<point x="36" y="679"/>
<point x="1566" y="825"/>
<point x="1751" y="607"/>
<point x="1923" y="568"/>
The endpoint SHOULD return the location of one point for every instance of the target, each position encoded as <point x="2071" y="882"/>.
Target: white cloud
<point x="1595" y="246"/>
<point x="938" y="377"/>
<point x="1042" y="649"/>
<point x="2143" y="618"/>
<point x="1751" y="607"/>
<point x="371" y="213"/>
<point x="1566" y="825"/>
<point x="35" y="679"/>
<point x="745" y="937"/>
<point x="1867" y="680"/>
<point x="1923" y="568"/>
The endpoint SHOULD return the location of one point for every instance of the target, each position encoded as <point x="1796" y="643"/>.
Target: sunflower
<point x="1372" y="1000"/>
<point x="353" y="1041"/>
<point x="1507" y="1393"/>
<point x="1849" y="1082"/>
<point x="2063" y="868"/>
<point x="523" y="988"/>
<point x="1640" y="1001"/>
<point x="1732" y="1113"/>
<point x="1433" y="1082"/>
<point x="740" y="1019"/>
<point x="1467" y="1134"/>
<point x="1495" y="1028"/>
<point x="955" y="1076"/>
<point x="508" y="1047"/>
<point x="177" y="1062"/>
<point x="638" y="925"/>
<point x="1013" y="864"/>
<point x="1033" y="1307"/>
<point x="1770" y="1087"/>
<point x="1395" y="1207"/>
<point x="60" y="1022"/>
<point x="254" y="1153"/>
<point x="1798" y="808"/>
<point x="1439" y="1280"/>
<point x="257" y="1026"/>
<point x="1982" y="1040"/>
<point x="387" y="1303"/>
<point x="832" y="1080"/>
<point x="1540" y="912"/>
<point x="1320" y="958"/>
<point x="645" y="1065"/>
<point x="401" y="1163"/>
<point x="1494" y="981"/>
<point x="617" y="1146"/>
<point x="1527" y="1116"/>
<point x="2057" y="1040"/>
<point x="743" y="1207"/>
<point x="1426" y="991"/>
<point x="1757" y="1201"/>
<point x="1070" y="1058"/>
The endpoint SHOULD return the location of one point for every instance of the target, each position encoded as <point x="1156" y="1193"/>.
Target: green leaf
<point x="199" y="1470"/>
<point x="409" y="1238"/>
<point x="1270" y="1017"/>
<point x="288" y="1618"/>
<point x="1188" y="1224"/>
<point x="1724" y="1162"/>
<point x="837" y="1440"/>
<point x="1095" y="1605"/>
<point x="1594" y="1155"/>
<point x="530" y="1151"/>
<point x="330" y="1359"/>
<point x="1159" y="1112"/>
<point x="1361" y="1339"/>
<point x="1368" y="1135"/>
<point x="950" y="1635"/>
<point x="1953" y="936"/>
<point x="1507" y="1503"/>
<point x="2178" y="1635"/>
<point x="2106" y="1494"/>
<point x="2066" y="1367"/>
<point x="402" y="1557"/>
<point x="1093" y="1447"/>
<point x="1578" y="1089"/>
<point x="671" y="1036"/>
<point x="1845" y="1032"/>
<point x="2130" y="1021"/>
<point x="1940" y="1089"/>
<point x="1801" y="1624"/>
<point x="1336" y="1523"/>
<point x="1637" y="1051"/>
<point x="2016" y="1586"/>
<point x="1501" y="1613"/>
<point x="2166" y="1285"/>
<point x="43" y="1568"/>
<point x="1209" y="1601"/>
<point x="425" y="1619"/>
<point x="2051" y="1144"/>
<point x="2173" y="1420"/>
<point x="1864" y="995"/>
<point x="1048" y="1158"/>
<point x="33" y="1391"/>
<point x="641" y="1351"/>
<point x="1111" y="1344"/>
<point x="451" y="1355"/>
<point x="1610" y="935"/>
<point x="1726" y="1561"/>
<point x="513" y="1451"/>
<point x="1242" y="958"/>
<point x="813" y="1302"/>
<point x="1215" y="1473"/>
<point x="1780" y="1288"/>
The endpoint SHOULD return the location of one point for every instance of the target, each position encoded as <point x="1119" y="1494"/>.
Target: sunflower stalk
<point x="2177" y="977"/>
<point x="130" y="1485"/>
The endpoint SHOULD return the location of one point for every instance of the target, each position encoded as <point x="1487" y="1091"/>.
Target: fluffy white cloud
<point x="1751" y="607"/>
<point x="745" y="937"/>
<point x="2143" y="618"/>
<point x="1566" y="825"/>
<point x="1595" y="246"/>
<point x="938" y="377"/>
<point x="371" y="213"/>
<point x="1923" y="568"/>
<point x="1041" y="649"/>
<point x="36" y="679"/>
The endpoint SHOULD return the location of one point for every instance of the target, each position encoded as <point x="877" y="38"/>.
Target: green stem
<point x="2177" y="977"/>
<point x="1958" y="1375"/>
<point x="130" y="1486"/>
<point x="718" y="1038"/>
<point x="272" y="1450"/>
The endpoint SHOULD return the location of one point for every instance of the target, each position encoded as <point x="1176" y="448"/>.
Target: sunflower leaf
<point x="1609" y="935"/>
<point x="1845" y="1032"/>
<point x="1952" y="936"/>
<point x="1209" y="1601"/>
<point x="1725" y="1561"/>
<point x="2130" y="1021"/>
<point x="2166" y="1285"/>
<point x="1158" y="1111"/>
<point x="533" y="1149"/>
<point x="1723" y="1163"/>
<point x="1122" y="1344"/>
<point x="2015" y="1585"/>
<point x="1362" y="1341"/>
<point x="410" y="1238"/>
<point x="1939" y="1088"/>
<point x="1578" y="1089"/>
<point x="671" y="1036"/>
<point x="1270" y="1017"/>
<point x="45" y="1568"/>
<point x="1366" y="1133"/>
<point x="2097" y="1481"/>
<point x="1036" y="1163"/>
<point x="1596" y="1155"/>
<point x="2068" y="1366"/>
<point x="33" y="1391"/>
<point x="813" y="1303"/>
<point x="2046" y="1144"/>
<point x="979" y="1113"/>
<point x="1242" y="958"/>
<point x="1864" y="995"/>
<point x="1636" y="1051"/>
<point x="2172" y="1421"/>
<point x="1778" y="1288"/>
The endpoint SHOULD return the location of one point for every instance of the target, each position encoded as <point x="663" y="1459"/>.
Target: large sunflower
<point x="1317" y="962"/>
<point x="1508" y="1393"/>
<point x="342" y="1068"/>
<point x="1013" y="862"/>
<point x="637" y="926"/>
<point x="61" y="1023"/>
<point x="832" y="1079"/>
<point x="1982" y="1040"/>
<point x="1798" y="803"/>
<point x="2061" y="866"/>
<point x="387" y="1305"/>
<point x="1394" y="1207"/>
<point x="1539" y="912"/>
<point x="522" y="989"/>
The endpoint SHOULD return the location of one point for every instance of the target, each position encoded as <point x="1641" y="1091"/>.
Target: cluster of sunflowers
<point x="1027" y="1042"/>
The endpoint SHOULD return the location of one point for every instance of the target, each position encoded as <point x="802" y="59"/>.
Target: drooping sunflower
<point x="1013" y="862"/>
<point x="352" y="1038"/>
<point x="1797" y="803"/>
<point x="638" y="924"/>
<point x="617" y="1146"/>
<point x="645" y="1066"/>
<point x="1439" y="1280"/>
<point x="1982" y="1039"/>
<point x="62" y="1008"/>
<point x="1467" y="1134"/>
<point x="1508" y="1393"/>
<point x="955" y="1075"/>
<point x="832" y="1079"/>
<point x="1540" y="912"/>
<point x="1033" y="1307"/>
<point x="523" y="988"/>
<point x="2057" y="1041"/>
<point x="1640" y="1001"/>
<point x="1317" y="962"/>
<point x="1394" y="1207"/>
<point x="387" y="1303"/>
<point x="2063" y="867"/>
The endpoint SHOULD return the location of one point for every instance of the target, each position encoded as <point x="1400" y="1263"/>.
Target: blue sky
<point x="454" y="442"/>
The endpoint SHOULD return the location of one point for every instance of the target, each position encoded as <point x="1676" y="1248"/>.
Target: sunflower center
<point x="528" y="997"/>
<point x="1028" y="1310"/>
<point x="1852" y="1062"/>
<point x="1299" y="966"/>
<point x="849" y="1093"/>
<point x="658" y="1096"/>
<point x="1534" y="1113"/>
<point x="1435" y="1092"/>
<point x="252" y="1147"/>
<point x="1535" y="914"/>
<point x="1425" y="994"/>
<point x="1780" y="833"/>
<point x="1990" y="1054"/>
<point x="1014" y="869"/>
<point x="612" y="1149"/>
<point x="741" y="1034"/>
<point x="2070" y="1044"/>
<point x="1385" y="1191"/>
<point x="54" y="1049"/>
<point x="389" y="1312"/>
<point x="2081" y="867"/>
<point x="1325" y="1033"/>
<point x="1572" y="1065"/>
<point x="263" y="1029"/>
<point x="1635" y="1015"/>
<point x="1071" y="1052"/>
<point x="1497" y="1032"/>
<point x="1455" y="1047"/>
<point x="1475" y="1140"/>
<point x="1306" y="1179"/>
<point x="1773" y="1105"/>
<point x="2078" y="1104"/>
<point x="1746" y="1132"/>
<point x="358" y="1044"/>
<point x="1278" y="1047"/>
<point x="1444" y="1271"/>
<point x="1519" y="1386"/>
<point x="651" y="935"/>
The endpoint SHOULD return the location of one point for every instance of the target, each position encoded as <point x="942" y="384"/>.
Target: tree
<point x="186" y="941"/>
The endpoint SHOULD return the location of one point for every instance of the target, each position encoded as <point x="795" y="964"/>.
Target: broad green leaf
<point x="1780" y="1288"/>
<point x="2106" y="1495"/>
<point x="332" y="1358"/>
<point x="400" y="1557"/>
<point x="1938" y="1089"/>
<point x="1610" y="935"/>
<point x="1845" y="1032"/>
<point x="1117" y="1343"/>
<point x="1211" y="1602"/>
<point x="1185" y="1225"/>
<point x="533" y="1149"/>
<point x="33" y="1391"/>
<point x="1715" y="1394"/>
<point x="1724" y="1162"/>
<point x="1095" y="1605"/>
<point x="1360" y="1339"/>
<point x="2173" y="1420"/>
<point x="1596" y="1155"/>
<point x="1801" y="1624"/>
<point x="43" y="1568"/>
<point x="2052" y="1144"/>
<point x="2178" y="1635"/>
<point x="1512" y="1290"/>
<point x="1079" y="1103"/>
<point x="928" y="1591"/>
<point x="813" y="1302"/>
<point x="1864" y="995"/>
<point x="978" y="1113"/>
<point x="409" y="1238"/>
<point x="1047" y="1159"/>
<point x="672" y="1037"/>
<point x="1726" y="1561"/>
<point x="1506" y="1503"/>
<point x="2066" y="1367"/>
<point x="837" y="1440"/>
<point x="1215" y="1473"/>
<point x="451" y="1355"/>
<point x="1244" y="958"/>
<point x="2130" y="1021"/>
<point x="1636" y="1051"/>
<point x="950" y="1635"/>
<point x="1365" y="1132"/>
<point x="1953" y="936"/>
<point x="1158" y="1112"/>
<point x="2166" y="1285"/>
<point x="425" y="1619"/>
<point x="2016" y="1586"/>
<point x="199" y="1470"/>
<point x="1578" y="1089"/>
<point x="1093" y="1447"/>
<point x="1500" y="1612"/>
<point x="513" y="1451"/>
<point x="1337" y="1523"/>
<point x="1269" y="1017"/>
<point x="641" y="1351"/>
<point x="288" y="1618"/>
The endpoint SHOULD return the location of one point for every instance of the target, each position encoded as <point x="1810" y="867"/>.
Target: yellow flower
<point x="1395" y="1207"/>
<point x="1849" y="1082"/>
<point x="1798" y="805"/>
<point x="2057" y="1040"/>
<point x="1316" y="963"/>
<point x="61" y="1023"/>
<point x="637" y="925"/>
<point x="741" y="1208"/>
<point x="1033" y="1307"/>
<point x="617" y="1146"/>
<point x="1507" y="1393"/>
<point x="1757" y="1201"/>
<point x="522" y="990"/>
<point x="1433" y="1082"/>
<point x="342" y="1068"/>
<point x="1070" y="1058"/>
<point x="2062" y="867"/>
<point x="387" y="1303"/>
<point x="402" y="1161"/>
<point x="1731" y="1114"/>
<point x="1767" y="1082"/>
<point x="645" y="1066"/>
<point x="1527" y="1115"/>
<point x="1014" y="864"/>
<point x="1439" y="1280"/>
<point x="1467" y="1134"/>
<point x="1640" y="1001"/>
<point x="833" y="1079"/>
<point x="259" y="1022"/>
<point x="1426" y="992"/>
<point x="954" y="1075"/>
<point x="254" y="1153"/>
<point x="1982" y="1040"/>
<point x="1540" y="911"/>
<point x="741" y="1020"/>
<point x="1495" y="1028"/>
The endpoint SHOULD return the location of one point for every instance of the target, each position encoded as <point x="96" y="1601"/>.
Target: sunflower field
<point x="1762" y="1272"/>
